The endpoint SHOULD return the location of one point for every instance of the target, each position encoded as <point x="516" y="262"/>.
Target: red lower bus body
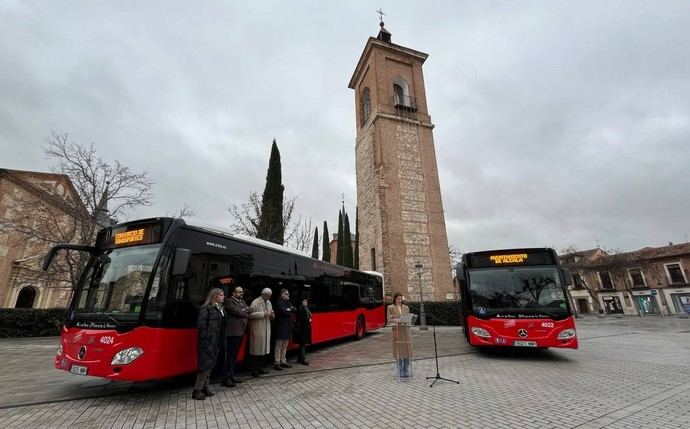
<point x="171" y="352"/>
<point x="539" y="333"/>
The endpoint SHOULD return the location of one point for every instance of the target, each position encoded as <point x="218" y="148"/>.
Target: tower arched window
<point x="365" y="105"/>
<point x="399" y="95"/>
<point x="26" y="297"/>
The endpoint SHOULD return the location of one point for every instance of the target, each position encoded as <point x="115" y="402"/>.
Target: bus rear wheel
<point x="360" y="328"/>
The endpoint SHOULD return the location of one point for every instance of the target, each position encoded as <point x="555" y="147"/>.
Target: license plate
<point x="525" y="344"/>
<point x="79" y="370"/>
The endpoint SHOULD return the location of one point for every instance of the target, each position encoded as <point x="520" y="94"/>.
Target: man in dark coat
<point x="235" y="327"/>
<point x="209" y="325"/>
<point x="282" y="328"/>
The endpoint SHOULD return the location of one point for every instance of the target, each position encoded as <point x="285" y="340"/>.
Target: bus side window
<point x="297" y="292"/>
<point x="181" y="312"/>
<point x="367" y="295"/>
<point x="159" y="289"/>
<point x="336" y="295"/>
<point x="188" y="293"/>
<point x="320" y="294"/>
<point x="350" y="299"/>
<point x="197" y="280"/>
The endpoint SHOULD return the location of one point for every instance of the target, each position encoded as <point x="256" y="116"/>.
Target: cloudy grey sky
<point x="557" y="122"/>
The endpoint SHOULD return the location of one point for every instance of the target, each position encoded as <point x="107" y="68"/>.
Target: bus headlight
<point x="567" y="334"/>
<point x="127" y="356"/>
<point x="59" y="352"/>
<point x="481" y="332"/>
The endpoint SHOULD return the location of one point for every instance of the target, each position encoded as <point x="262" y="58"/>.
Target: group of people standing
<point x="223" y="323"/>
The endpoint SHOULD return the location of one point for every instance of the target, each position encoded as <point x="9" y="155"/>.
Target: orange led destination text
<point x="129" y="236"/>
<point x="517" y="258"/>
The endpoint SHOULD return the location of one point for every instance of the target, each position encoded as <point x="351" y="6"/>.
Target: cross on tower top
<point x="381" y="14"/>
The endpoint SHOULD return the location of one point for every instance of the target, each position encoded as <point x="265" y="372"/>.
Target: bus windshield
<point x="115" y="282"/>
<point x="517" y="292"/>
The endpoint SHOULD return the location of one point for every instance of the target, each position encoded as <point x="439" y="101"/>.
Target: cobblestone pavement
<point x="628" y="373"/>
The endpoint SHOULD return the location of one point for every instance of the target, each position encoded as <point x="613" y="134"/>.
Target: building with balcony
<point x="652" y="280"/>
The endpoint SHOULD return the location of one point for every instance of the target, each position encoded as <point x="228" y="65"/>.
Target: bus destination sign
<point x="128" y="237"/>
<point x="517" y="258"/>
<point x="134" y="235"/>
<point x="508" y="258"/>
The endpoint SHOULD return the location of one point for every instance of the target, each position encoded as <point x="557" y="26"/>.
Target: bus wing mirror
<point x="181" y="261"/>
<point x="568" y="277"/>
<point x="49" y="258"/>
<point x="53" y="251"/>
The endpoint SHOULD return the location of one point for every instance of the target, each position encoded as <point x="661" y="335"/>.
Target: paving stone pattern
<point x="628" y="373"/>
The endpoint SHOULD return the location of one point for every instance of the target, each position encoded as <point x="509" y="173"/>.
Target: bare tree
<point x="247" y="216"/>
<point x="184" y="212"/>
<point x="302" y="235"/>
<point x="569" y="250"/>
<point x="92" y="176"/>
<point x="100" y="189"/>
<point x="455" y="255"/>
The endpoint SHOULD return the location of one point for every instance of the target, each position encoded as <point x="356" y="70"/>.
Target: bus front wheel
<point x="360" y="328"/>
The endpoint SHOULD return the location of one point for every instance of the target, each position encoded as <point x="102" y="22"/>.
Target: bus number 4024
<point x="107" y="340"/>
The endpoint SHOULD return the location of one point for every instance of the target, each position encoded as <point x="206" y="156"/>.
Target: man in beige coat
<point x="260" y="331"/>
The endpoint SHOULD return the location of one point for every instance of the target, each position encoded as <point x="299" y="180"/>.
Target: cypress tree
<point x="347" y="243"/>
<point x="326" y="255"/>
<point x="355" y="257"/>
<point x="339" y="245"/>
<point x="315" y="246"/>
<point x="271" y="223"/>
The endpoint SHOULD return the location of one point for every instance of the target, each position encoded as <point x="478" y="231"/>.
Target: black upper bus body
<point x="157" y="272"/>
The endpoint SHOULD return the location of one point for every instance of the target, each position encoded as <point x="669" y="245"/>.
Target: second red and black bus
<point x="133" y="314"/>
<point x="515" y="298"/>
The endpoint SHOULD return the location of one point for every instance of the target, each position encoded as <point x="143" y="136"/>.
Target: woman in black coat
<point x="303" y="331"/>
<point x="211" y="318"/>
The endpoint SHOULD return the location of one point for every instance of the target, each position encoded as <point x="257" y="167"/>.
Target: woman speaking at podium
<point x="402" y="341"/>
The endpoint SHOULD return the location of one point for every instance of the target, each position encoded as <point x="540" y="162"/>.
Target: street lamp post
<point x="422" y="315"/>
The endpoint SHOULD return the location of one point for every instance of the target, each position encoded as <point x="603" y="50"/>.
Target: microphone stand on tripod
<point x="437" y="377"/>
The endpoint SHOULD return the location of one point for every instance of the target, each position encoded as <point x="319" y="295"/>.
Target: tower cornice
<point x="392" y="47"/>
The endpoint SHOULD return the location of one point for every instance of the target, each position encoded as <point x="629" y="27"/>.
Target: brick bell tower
<point x="401" y="221"/>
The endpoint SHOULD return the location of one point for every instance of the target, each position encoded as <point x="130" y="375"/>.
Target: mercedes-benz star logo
<point x="521" y="332"/>
<point x="82" y="352"/>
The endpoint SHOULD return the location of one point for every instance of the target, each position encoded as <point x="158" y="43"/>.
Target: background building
<point x="652" y="280"/>
<point x="401" y="220"/>
<point x="29" y="203"/>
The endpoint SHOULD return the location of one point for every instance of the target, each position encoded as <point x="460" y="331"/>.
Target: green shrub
<point x="440" y="313"/>
<point x="31" y="322"/>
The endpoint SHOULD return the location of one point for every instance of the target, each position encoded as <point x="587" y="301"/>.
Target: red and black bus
<point x="515" y="298"/>
<point x="133" y="314"/>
